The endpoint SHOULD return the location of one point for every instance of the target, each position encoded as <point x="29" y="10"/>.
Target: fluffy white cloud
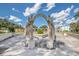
<point x="17" y="20"/>
<point x="61" y="16"/>
<point x="49" y="6"/>
<point x="72" y="20"/>
<point x="34" y="9"/>
<point x="76" y="10"/>
<point x="2" y="17"/>
<point x="14" y="18"/>
<point x="15" y="10"/>
<point x="20" y="24"/>
<point x="68" y="21"/>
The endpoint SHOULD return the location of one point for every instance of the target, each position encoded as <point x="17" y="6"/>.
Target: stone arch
<point x="42" y="15"/>
<point x="51" y="29"/>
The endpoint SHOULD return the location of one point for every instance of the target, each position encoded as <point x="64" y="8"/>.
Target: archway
<point x="51" y="29"/>
<point x="40" y="27"/>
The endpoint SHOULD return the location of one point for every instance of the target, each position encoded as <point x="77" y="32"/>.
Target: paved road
<point x="74" y="35"/>
<point x="9" y="41"/>
<point x="66" y="46"/>
<point x="4" y="36"/>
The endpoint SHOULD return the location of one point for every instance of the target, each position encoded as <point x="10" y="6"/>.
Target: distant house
<point x="4" y="30"/>
<point x="1" y="30"/>
<point x="19" y="30"/>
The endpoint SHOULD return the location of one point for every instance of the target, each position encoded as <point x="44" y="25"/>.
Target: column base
<point x="31" y="43"/>
<point x="50" y="44"/>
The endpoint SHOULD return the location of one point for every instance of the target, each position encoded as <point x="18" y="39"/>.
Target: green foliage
<point x="8" y="25"/>
<point x="43" y="27"/>
<point x="35" y="28"/>
<point x="39" y="31"/>
<point x="1" y="32"/>
<point x="74" y="27"/>
<point x="65" y="31"/>
<point x="77" y="15"/>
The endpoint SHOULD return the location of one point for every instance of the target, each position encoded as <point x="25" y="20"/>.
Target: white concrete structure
<point x="51" y="29"/>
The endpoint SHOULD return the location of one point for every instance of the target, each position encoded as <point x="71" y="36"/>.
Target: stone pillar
<point x="27" y="36"/>
<point x="50" y="35"/>
<point x="31" y="41"/>
<point x="25" y="32"/>
<point x="50" y="39"/>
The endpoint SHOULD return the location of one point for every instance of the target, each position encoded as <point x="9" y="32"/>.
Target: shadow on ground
<point x="2" y="49"/>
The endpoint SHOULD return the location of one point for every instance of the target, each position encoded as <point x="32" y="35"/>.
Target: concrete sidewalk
<point x="6" y="36"/>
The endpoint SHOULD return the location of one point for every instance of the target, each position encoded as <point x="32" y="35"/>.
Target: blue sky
<point x="62" y="13"/>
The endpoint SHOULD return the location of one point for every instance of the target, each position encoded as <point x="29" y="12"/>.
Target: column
<point x="31" y="41"/>
<point x="50" y="36"/>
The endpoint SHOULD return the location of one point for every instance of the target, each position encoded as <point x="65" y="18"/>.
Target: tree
<point x="35" y="27"/>
<point x="39" y="31"/>
<point x="44" y="28"/>
<point x="77" y="16"/>
<point x="4" y="23"/>
<point x="74" y="27"/>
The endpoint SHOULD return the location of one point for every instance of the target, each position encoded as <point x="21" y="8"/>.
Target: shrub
<point x="65" y="31"/>
<point x="39" y="31"/>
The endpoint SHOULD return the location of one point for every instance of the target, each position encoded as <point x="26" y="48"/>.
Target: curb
<point x="6" y="38"/>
